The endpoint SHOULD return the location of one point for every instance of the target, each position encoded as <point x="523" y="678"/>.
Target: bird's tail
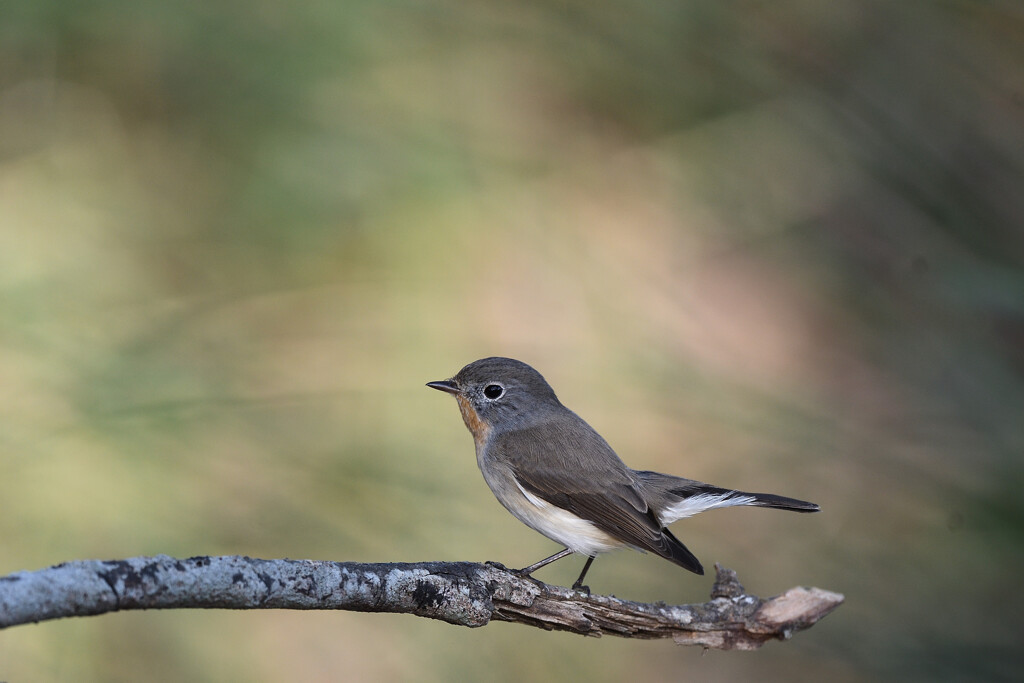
<point x="674" y="497"/>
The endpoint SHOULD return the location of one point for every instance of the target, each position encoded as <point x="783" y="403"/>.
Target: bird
<point x="557" y="475"/>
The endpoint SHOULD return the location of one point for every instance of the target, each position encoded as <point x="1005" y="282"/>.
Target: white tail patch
<point x="688" y="507"/>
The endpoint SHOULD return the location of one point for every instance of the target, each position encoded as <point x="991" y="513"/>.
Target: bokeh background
<point x="770" y="245"/>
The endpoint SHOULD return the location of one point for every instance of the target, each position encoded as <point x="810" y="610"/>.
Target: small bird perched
<point x="557" y="475"/>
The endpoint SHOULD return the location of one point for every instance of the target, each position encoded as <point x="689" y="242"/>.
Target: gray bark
<point x="462" y="593"/>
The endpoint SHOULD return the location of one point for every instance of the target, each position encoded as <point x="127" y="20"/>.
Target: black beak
<point x="445" y="385"/>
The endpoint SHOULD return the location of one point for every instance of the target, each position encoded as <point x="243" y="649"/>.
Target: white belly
<point x="575" y="533"/>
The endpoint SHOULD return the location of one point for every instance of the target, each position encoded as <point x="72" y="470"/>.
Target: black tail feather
<point x="764" y="500"/>
<point x="664" y="490"/>
<point x="770" y="500"/>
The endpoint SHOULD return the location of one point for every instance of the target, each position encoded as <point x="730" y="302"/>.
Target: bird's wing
<point x="571" y="467"/>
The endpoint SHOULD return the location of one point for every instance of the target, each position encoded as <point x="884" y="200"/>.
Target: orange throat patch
<point x="477" y="427"/>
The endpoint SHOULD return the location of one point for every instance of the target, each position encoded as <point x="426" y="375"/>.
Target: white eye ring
<point x="494" y="391"/>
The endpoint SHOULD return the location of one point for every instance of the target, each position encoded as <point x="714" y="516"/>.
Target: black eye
<point x="493" y="391"/>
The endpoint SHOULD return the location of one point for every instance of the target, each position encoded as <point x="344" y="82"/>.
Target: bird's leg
<point x="578" y="586"/>
<point x="526" y="571"/>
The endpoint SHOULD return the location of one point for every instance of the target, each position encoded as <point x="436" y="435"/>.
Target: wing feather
<point x="571" y="466"/>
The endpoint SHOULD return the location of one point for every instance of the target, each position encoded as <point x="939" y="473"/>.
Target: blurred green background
<point x="770" y="245"/>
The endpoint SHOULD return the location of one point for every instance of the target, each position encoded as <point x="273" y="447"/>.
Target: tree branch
<point x="461" y="593"/>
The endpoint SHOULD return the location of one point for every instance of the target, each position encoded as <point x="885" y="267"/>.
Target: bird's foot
<point x="522" y="573"/>
<point x="580" y="587"/>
